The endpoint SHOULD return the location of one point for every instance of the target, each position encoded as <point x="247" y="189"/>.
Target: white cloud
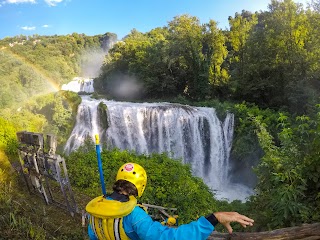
<point x="20" y="1"/>
<point x="53" y="3"/>
<point x="45" y="26"/>
<point x="28" y="28"/>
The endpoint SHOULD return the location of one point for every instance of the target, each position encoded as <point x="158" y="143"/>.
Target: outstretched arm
<point x="140" y="223"/>
<point x="225" y="218"/>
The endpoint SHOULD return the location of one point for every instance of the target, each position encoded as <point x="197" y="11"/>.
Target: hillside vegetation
<point x="41" y="64"/>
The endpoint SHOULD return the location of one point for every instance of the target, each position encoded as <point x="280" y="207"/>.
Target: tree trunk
<point x="305" y="232"/>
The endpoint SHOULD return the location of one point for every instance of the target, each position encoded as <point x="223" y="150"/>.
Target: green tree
<point x="241" y="27"/>
<point x="215" y="52"/>
<point x="61" y="115"/>
<point x="186" y="36"/>
<point x="278" y="66"/>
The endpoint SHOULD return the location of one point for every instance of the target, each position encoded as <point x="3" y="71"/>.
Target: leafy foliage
<point x="7" y="136"/>
<point x="289" y="173"/>
<point x="279" y="55"/>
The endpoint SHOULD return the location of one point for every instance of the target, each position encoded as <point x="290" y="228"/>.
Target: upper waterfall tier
<point x="79" y="84"/>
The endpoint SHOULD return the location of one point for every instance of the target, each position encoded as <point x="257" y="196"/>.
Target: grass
<point x="26" y="216"/>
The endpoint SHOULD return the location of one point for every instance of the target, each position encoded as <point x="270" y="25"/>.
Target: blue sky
<point x="91" y="17"/>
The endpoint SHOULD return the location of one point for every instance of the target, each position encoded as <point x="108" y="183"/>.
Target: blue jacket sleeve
<point x="139" y="225"/>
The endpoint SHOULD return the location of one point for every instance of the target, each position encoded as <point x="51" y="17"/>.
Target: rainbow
<point x="54" y="86"/>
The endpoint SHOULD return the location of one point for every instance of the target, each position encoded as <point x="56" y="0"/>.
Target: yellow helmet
<point x="171" y="221"/>
<point x="135" y="174"/>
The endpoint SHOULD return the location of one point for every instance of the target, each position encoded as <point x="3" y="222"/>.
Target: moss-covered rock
<point x="103" y="116"/>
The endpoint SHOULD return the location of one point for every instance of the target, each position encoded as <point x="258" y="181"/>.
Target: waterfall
<point x="79" y="84"/>
<point x="193" y="134"/>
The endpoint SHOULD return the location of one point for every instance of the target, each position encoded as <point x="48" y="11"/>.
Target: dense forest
<point x="265" y="69"/>
<point x="269" y="58"/>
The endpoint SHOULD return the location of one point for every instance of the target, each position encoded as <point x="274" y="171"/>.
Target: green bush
<point x="288" y="188"/>
<point x="8" y="140"/>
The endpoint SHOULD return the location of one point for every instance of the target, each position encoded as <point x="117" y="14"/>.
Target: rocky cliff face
<point x="108" y="40"/>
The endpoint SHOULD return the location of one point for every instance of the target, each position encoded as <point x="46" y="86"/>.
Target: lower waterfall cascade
<point x="193" y="134"/>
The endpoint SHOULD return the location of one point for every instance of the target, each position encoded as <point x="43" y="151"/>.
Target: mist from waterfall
<point x="193" y="134"/>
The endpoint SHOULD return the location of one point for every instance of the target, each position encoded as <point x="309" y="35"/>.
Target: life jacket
<point x="106" y="217"/>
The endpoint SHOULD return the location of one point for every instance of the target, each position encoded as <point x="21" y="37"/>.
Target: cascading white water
<point x="79" y="84"/>
<point x="193" y="134"/>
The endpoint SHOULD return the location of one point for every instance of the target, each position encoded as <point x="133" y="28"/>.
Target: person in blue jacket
<point x="118" y="216"/>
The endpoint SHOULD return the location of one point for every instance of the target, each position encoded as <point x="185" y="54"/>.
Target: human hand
<point x="225" y="218"/>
